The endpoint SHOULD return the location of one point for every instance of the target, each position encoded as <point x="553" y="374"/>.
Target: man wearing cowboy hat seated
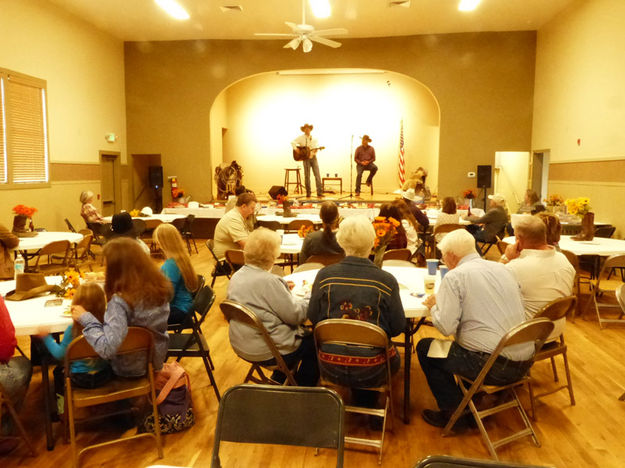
<point x="308" y="141"/>
<point x="123" y="226"/>
<point x="364" y="157"/>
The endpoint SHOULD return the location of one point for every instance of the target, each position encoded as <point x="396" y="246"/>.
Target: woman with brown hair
<point x="448" y="215"/>
<point x="410" y="225"/>
<point x="323" y="242"/>
<point x="554" y="228"/>
<point x="138" y="296"/>
<point x="178" y="269"/>
<point x="399" y="239"/>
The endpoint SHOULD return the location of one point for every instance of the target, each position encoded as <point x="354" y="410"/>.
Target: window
<point x="23" y="130"/>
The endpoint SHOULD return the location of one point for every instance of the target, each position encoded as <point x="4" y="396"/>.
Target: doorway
<point x="539" y="167"/>
<point x="110" y="182"/>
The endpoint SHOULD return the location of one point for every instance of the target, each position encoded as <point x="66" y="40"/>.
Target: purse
<point x="175" y="408"/>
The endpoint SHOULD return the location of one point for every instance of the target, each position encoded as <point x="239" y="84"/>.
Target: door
<point x="511" y="176"/>
<point x="540" y="173"/>
<point x="109" y="183"/>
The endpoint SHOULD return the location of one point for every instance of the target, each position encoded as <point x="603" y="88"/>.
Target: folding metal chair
<point x="397" y="254"/>
<point x="6" y="403"/>
<point x="533" y="331"/>
<point x="326" y="259"/>
<point x="222" y="268"/>
<point x="309" y="417"/>
<point x="58" y="256"/>
<point x="605" y="298"/>
<point x="235" y="259"/>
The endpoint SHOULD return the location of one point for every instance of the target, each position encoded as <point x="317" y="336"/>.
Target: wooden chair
<point x="533" y="331"/>
<point x="58" y="255"/>
<point x="273" y="225"/>
<point x="222" y="268"/>
<point x="308" y="266"/>
<point x="555" y="311"/>
<point x="138" y="340"/>
<point x="325" y="259"/>
<point x="296" y="224"/>
<point x="238" y="312"/>
<point x="194" y="344"/>
<point x="235" y="259"/>
<point x="605" y="298"/>
<point x="397" y="254"/>
<point x="441" y="229"/>
<point x="359" y="333"/>
<point x="6" y="403"/>
<point x="310" y="417"/>
<point x="82" y="254"/>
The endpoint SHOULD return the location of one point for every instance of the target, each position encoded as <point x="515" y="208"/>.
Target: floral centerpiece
<point x="385" y="229"/>
<point x="469" y="194"/>
<point x="69" y="283"/>
<point x="554" y="200"/>
<point x="135" y="213"/>
<point x="23" y="214"/>
<point x="581" y="207"/>
<point x="286" y="205"/>
<point x="304" y="230"/>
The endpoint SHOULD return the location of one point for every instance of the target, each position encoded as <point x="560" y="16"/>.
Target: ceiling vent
<point x="400" y="3"/>
<point x="233" y="8"/>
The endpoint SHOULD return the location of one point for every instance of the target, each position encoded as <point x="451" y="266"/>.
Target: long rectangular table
<point x="410" y="281"/>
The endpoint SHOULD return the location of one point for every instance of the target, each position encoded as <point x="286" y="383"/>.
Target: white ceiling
<point x="139" y="20"/>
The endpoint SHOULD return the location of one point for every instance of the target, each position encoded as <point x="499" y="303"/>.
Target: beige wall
<point x="85" y="80"/>
<point x="579" y="94"/>
<point x="483" y="83"/>
<point x="265" y="112"/>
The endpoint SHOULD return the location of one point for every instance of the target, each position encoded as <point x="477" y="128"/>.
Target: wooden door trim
<point x="117" y="167"/>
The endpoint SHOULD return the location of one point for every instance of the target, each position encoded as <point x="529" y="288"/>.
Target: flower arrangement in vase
<point x="69" y="283"/>
<point x="385" y="229"/>
<point x="581" y="207"/>
<point x="23" y="214"/>
<point x="304" y="230"/>
<point x="469" y="195"/>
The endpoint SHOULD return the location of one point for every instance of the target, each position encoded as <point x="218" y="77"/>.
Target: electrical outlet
<point x="471" y="175"/>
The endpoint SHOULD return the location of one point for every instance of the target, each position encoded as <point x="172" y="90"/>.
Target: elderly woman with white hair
<point x="493" y="223"/>
<point x="269" y="296"/>
<point x="355" y="288"/>
<point x="89" y="212"/>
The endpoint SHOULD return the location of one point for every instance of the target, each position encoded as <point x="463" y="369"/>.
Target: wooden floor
<point x="589" y="434"/>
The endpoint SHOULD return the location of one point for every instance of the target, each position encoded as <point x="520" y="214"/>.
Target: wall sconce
<point x="111" y="137"/>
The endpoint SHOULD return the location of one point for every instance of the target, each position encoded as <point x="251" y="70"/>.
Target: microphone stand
<point x="351" y="171"/>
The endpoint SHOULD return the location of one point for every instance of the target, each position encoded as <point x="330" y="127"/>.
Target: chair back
<point x="558" y="308"/>
<point x="399" y="263"/>
<point x="397" y="254"/>
<point x="69" y="225"/>
<point x="83" y="247"/>
<point x="273" y="225"/>
<point x="187" y="226"/>
<point x="605" y="231"/>
<point x="210" y="244"/>
<point x="613" y="261"/>
<point x="325" y="259"/>
<point x="203" y="301"/>
<point x="151" y="224"/>
<point x="310" y="417"/>
<point x="296" y="224"/>
<point x="620" y="296"/>
<point x="201" y="281"/>
<point x="351" y="332"/>
<point x="308" y="266"/>
<point x="56" y="247"/>
<point x="572" y="258"/>
<point x="235" y="258"/>
<point x="445" y="228"/>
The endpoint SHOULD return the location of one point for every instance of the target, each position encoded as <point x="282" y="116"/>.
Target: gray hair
<point x="86" y="196"/>
<point x="262" y="247"/>
<point x="531" y="228"/>
<point x="459" y="242"/>
<point x="356" y="235"/>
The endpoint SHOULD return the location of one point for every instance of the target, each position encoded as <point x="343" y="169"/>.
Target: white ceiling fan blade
<point x="291" y="25"/>
<point x="325" y="41"/>
<point x="331" y="32"/>
<point x="276" y="35"/>
<point x="293" y="43"/>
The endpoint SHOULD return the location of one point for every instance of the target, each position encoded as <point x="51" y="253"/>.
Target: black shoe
<point x="357" y="194"/>
<point x="441" y="418"/>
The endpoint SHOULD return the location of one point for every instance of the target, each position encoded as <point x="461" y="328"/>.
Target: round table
<point x="602" y="246"/>
<point x="44" y="238"/>
<point x="315" y="219"/>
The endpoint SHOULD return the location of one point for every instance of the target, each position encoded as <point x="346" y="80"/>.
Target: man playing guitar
<point x="305" y="149"/>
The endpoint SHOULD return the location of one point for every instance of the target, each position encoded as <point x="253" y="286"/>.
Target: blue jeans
<point x="14" y="377"/>
<point x="439" y="372"/>
<point x="308" y="164"/>
<point x="372" y="168"/>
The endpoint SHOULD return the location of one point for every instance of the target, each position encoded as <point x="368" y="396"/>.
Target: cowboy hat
<point x="306" y="125"/>
<point x="366" y="137"/>
<point x="497" y="198"/>
<point x="122" y="225"/>
<point x="29" y="285"/>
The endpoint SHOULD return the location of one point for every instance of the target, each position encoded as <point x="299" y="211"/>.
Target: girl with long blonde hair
<point x="178" y="269"/>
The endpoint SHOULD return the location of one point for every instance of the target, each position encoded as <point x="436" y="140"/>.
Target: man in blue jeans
<point x="478" y="302"/>
<point x="364" y="157"/>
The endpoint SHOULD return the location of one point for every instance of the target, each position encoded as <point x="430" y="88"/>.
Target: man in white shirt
<point x="478" y="302"/>
<point x="232" y="229"/>
<point x="543" y="273"/>
<point x="306" y="140"/>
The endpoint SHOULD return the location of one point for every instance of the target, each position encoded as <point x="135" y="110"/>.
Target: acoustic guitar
<point x="304" y="152"/>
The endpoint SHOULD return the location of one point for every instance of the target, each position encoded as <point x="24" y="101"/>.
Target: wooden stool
<point x="299" y="188"/>
<point x="364" y="183"/>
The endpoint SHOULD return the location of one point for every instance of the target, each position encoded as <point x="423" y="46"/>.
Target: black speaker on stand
<point x="155" y="178"/>
<point x="484" y="180"/>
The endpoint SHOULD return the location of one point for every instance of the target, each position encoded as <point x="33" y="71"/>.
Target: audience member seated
<point x="355" y="288"/>
<point x="554" y="228"/>
<point x="323" y="242"/>
<point x="89" y="212"/>
<point x="122" y="226"/>
<point x="8" y="241"/>
<point x="447" y="215"/>
<point x="138" y="296"/>
<point x="282" y="314"/>
<point x="15" y="373"/>
<point x="409" y="198"/>
<point x="531" y="203"/>
<point x="478" y="302"/>
<point x="410" y="225"/>
<point x="232" y="229"/>
<point x="543" y="273"/>
<point x="178" y="269"/>
<point x="399" y="240"/>
<point x="232" y="199"/>
<point x="493" y="223"/>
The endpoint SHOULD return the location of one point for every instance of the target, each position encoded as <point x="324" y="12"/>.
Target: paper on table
<point x="439" y="348"/>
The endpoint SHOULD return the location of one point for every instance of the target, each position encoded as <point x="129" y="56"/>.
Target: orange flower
<point x="394" y="222"/>
<point x="24" y="210"/>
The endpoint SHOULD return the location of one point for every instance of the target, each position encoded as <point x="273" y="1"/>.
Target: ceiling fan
<point x="306" y="34"/>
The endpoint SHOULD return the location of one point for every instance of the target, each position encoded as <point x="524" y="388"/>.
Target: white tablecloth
<point x="285" y="221"/>
<point x="44" y="238"/>
<point x="165" y="218"/>
<point x="410" y="285"/>
<point x="29" y="315"/>
<point x="291" y="244"/>
<point x="598" y="246"/>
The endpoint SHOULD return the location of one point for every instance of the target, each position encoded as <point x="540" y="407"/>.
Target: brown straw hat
<point x="305" y="126"/>
<point x="29" y="285"/>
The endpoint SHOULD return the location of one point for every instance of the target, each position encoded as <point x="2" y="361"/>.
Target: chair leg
<point x="530" y="389"/>
<point x="569" y="383"/>
<point x="554" y="370"/>
<point x="20" y="428"/>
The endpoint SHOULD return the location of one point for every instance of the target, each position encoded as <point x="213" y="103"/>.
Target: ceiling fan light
<point x="307" y="45"/>
<point x="173" y="9"/>
<point x="468" y="5"/>
<point x="293" y="43"/>
<point x="320" y="8"/>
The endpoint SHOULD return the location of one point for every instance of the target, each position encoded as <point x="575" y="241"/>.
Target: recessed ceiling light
<point x="173" y="9"/>
<point x="468" y="5"/>
<point x="320" y="8"/>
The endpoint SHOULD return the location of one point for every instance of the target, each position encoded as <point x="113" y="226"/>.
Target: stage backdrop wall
<point x="264" y="114"/>
<point x="483" y="83"/>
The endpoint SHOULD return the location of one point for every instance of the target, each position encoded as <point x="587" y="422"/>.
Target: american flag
<point x="402" y="162"/>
